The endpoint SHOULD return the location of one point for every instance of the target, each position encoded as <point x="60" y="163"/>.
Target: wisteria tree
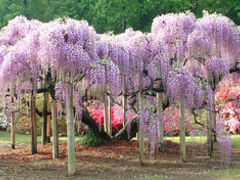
<point x="179" y="63"/>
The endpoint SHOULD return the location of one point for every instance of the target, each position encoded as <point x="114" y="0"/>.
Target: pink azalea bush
<point x="96" y="109"/>
<point x="227" y="95"/>
<point x="117" y="121"/>
<point x="171" y="121"/>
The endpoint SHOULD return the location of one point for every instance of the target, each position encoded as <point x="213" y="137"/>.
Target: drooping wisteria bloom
<point x="18" y="53"/>
<point x="136" y="43"/>
<point x="77" y="100"/>
<point x="225" y="147"/>
<point x="223" y="34"/>
<point x="60" y="92"/>
<point x="150" y="125"/>
<point x="67" y="47"/>
<point x="159" y="58"/>
<point x="196" y="68"/>
<point x="199" y="45"/>
<point x="217" y="67"/>
<point x="181" y="87"/>
<point x="17" y="29"/>
<point x="173" y="30"/>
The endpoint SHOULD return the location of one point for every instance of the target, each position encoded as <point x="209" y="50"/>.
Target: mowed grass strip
<point x="5" y="138"/>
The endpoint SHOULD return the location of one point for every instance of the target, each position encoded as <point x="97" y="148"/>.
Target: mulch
<point x="114" y="150"/>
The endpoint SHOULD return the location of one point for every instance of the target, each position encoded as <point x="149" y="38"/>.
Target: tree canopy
<point x="115" y="15"/>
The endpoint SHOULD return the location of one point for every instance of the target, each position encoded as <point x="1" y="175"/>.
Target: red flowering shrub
<point x="117" y="117"/>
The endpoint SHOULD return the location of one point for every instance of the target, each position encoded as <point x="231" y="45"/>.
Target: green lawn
<point x="236" y="142"/>
<point x="198" y="139"/>
<point x="226" y="174"/>
<point x="5" y="138"/>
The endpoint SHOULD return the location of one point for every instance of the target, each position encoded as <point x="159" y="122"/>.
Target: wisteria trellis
<point x="187" y="56"/>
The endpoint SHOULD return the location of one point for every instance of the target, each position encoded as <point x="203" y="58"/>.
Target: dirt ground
<point x="115" y="160"/>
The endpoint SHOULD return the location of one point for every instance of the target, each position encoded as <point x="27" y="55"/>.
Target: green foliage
<point x="115" y="15"/>
<point x="227" y="8"/>
<point x="23" y="119"/>
<point x="91" y="139"/>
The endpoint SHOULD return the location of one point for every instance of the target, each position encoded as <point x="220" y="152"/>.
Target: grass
<point x="229" y="174"/>
<point x="223" y="174"/>
<point x="236" y="142"/>
<point x="198" y="139"/>
<point x="5" y="138"/>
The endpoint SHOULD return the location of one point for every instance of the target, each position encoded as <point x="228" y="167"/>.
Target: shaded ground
<point x="115" y="160"/>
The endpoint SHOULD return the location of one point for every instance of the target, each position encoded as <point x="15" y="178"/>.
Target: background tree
<point x="114" y="15"/>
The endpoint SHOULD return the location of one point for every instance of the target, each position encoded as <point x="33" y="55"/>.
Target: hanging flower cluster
<point x="150" y="125"/>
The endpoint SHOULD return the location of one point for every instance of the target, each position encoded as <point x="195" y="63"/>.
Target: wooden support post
<point x="161" y="128"/>
<point x="210" y="119"/>
<point x="105" y="102"/>
<point x="140" y="135"/>
<point x="109" y="116"/>
<point x="54" y="129"/>
<point x="124" y="101"/>
<point x="182" y="132"/>
<point x="13" y="126"/>
<point x="70" y="131"/>
<point x="48" y="120"/>
<point x="44" y="119"/>
<point x="33" y="123"/>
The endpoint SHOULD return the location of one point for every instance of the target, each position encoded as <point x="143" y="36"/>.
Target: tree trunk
<point x="33" y="123"/>
<point x="44" y="120"/>
<point x="54" y="129"/>
<point x="182" y="132"/>
<point x="141" y="140"/>
<point x="13" y="126"/>
<point x="105" y="113"/>
<point x="109" y="116"/>
<point x="161" y="128"/>
<point x="88" y="120"/>
<point x="123" y="133"/>
<point x="70" y="131"/>
<point x="133" y="126"/>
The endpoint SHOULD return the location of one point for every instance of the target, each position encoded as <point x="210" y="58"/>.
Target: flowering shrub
<point x="117" y="117"/>
<point x="228" y="108"/>
<point x="4" y="123"/>
<point x="171" y="121"/>
<point x="96" y="109"/>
